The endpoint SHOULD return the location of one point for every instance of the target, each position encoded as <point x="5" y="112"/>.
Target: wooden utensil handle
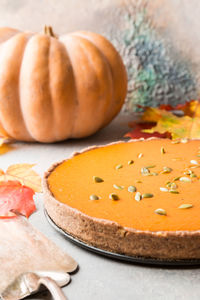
<point x="54" y="289"/>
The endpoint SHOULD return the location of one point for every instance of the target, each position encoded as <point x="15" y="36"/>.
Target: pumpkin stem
<point x="49" y="31"/>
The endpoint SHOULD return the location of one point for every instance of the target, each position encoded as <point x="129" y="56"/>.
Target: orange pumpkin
<point x="53" y="88"/>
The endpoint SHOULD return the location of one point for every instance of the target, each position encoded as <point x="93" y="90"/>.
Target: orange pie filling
<point x="146" y="185"/>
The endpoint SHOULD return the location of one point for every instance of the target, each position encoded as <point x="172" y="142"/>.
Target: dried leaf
<point x="1" y="172"/>
<point x="161" y="122"/>
<point x="179" y="127"/>
<point x="138" y="131"/>
<point x="190" y="108"/>
<point x="4" y="145"/>
<point x="15" y="197"/>
<point x="24" y="174"/>
<point x="24" y="248"/>
<point x="5" y="141"/>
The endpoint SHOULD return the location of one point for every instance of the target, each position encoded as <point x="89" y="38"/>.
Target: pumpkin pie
<point x="139" y="198"/>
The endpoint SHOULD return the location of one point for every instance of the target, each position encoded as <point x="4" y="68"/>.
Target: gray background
<point x="98" y="277"/>
<point x="63" y="15"/>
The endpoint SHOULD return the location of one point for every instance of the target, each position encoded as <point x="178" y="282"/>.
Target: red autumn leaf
<point x="167" y="107"/>
<point x="138" y="133"/>
<point x="15" y="197"/>
<point x="190" y="108"/>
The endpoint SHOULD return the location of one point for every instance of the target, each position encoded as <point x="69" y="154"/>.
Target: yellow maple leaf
<point x="154" y="114"/>
<point x="24" y="174"/>
<point x="179" y="127"/>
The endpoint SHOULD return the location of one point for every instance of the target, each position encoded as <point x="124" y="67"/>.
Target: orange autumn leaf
<point x="24" y="174"/>
<point x="5" y="141"/>
<point x="5" y="148"/>
<point x="5" y="145"/>
<point x="15" y="198"/>
<point x="190" y="108"/>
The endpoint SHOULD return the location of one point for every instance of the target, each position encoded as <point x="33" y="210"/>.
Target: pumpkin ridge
<point x="49" y="87"/>
<point x="62" y="91"/>
<point x="29" y="36"/>
<point x="93" y="38"/>
<point x="110" y="68"/>
<point x="75" y="88"/>
<point x="16" y="110"/>
<point x="83" y="44"/>
<point x="36" y="109"/>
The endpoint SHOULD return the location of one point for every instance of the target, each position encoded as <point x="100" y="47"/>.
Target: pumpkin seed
<point x="160" y="211"/>
<point x="174" y="192"/>
<point x="195" y="167"/>
<point x="138" y="181"/>
<point x="118" y="187"/>
<point x="132" y="189"/>
<point x="119" y="167"/>
<point x="138" y="196"/>
<point x="154" y="173"/>
<point x="150" y="167"/>
<point x="163" y="189"/>
<point x="168" y="184"/>
<point x="194" y="162"/>
<point x="145" y="171"/>
<point x="193" y="175"/>
<point x="94" y="197"/>
<point x="184" y="140"/>
<point x="148" y="174"/>
<point x="130" y="162"/>
<point x="114" y="197"/>
<point x="185" y="206"/>
<point x="184" y="179"/>
<point x="188" y="172"/>
<point x="140" y="155"/>
<point x="97" y="179"/>
<point x="166" y="170"/>
<point x="177" y="178"/>
<point x="162" y="150"/>
<point x="198" y="155"/>
<point x="177" y="159"/>
<point x="175" y="142"/>
<point x="174" y="186"/>
<point x="147" y="195"/>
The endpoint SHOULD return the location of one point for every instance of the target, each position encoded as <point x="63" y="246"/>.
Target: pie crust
<point x="111" y="236"/>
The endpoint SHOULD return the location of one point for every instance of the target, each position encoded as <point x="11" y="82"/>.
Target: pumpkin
<point x="54" y="88"/>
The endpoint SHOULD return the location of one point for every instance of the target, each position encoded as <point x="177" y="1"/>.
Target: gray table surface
<point x="99" y="277"/>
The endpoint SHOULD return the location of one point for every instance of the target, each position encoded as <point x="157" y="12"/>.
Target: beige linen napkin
<point x="23" y="249"/>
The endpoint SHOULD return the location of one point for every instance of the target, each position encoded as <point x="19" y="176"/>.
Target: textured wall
<point x="63" y="15"/>
<point x="159" y="40"/>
